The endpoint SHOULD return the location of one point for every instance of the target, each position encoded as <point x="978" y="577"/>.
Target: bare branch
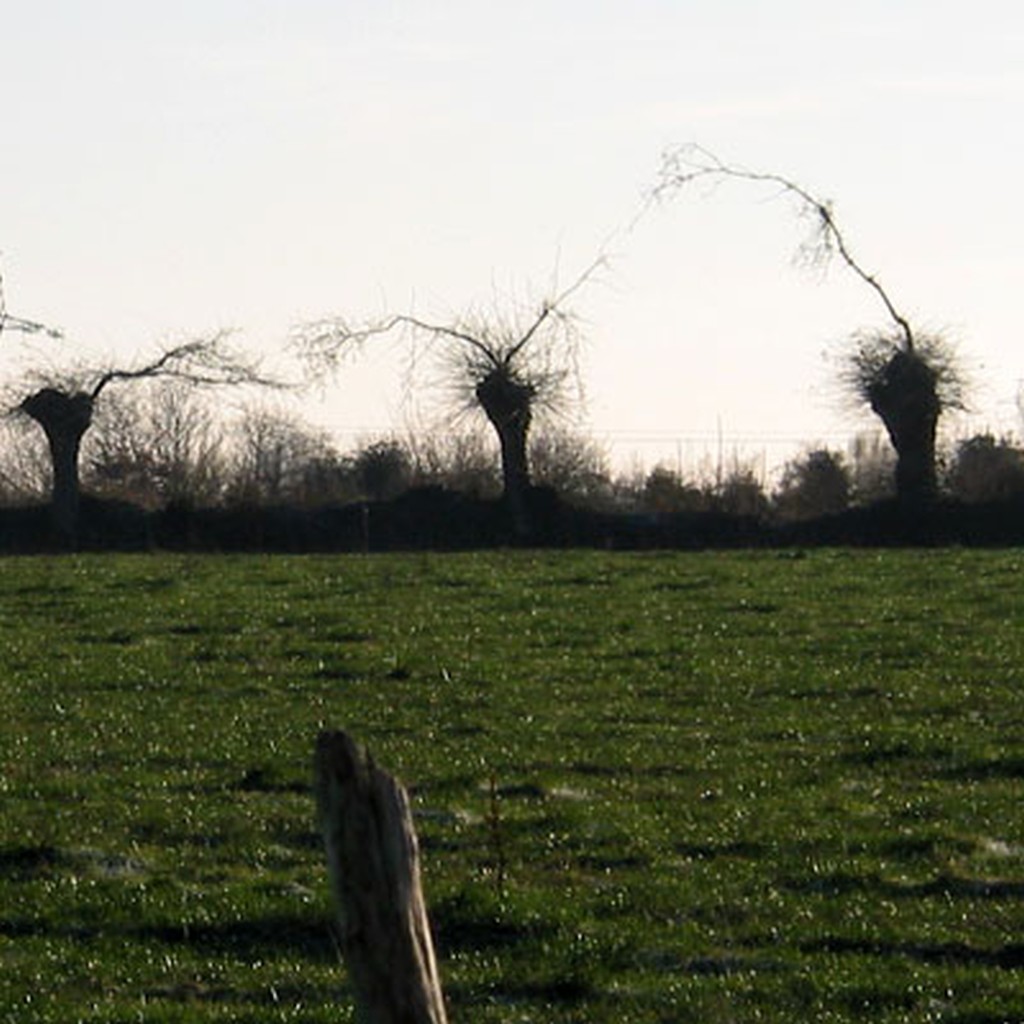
<point x="208" y="362"/>
<point x="554" y="307"/>
<point x="692" y="163"/>
<point x="321" y="344"/>
<point x="16" y="323"/>
<point x="440" y="331"/>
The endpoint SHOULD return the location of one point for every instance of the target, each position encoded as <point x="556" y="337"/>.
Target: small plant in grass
<point x="494" y="833"/>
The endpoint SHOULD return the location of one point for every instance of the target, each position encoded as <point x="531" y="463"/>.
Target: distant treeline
<point x="432" y="518"/>
<point x="162" y="470"/>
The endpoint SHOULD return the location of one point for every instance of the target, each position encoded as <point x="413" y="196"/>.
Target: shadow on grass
<point x="275" y="935"/>
<point x="196" y="993"/>
<point x="260" y="779"/>
<point x="1009" y="957"/>
<point x="739" y="849"/>
<point x="468" y="922"/>
<point x="28" y="861"/>
<point x="939" y="761"/>
<point x="257" y="939"/>
<point x="948" y="886"/>
<point x="982" y="770"/>
<point x="897" y="752"/>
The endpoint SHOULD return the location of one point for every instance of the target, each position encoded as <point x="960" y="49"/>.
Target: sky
<point x="170" y="170"/>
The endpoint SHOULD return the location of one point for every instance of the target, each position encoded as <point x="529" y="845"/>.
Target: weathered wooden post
<point x="373" y="862"/>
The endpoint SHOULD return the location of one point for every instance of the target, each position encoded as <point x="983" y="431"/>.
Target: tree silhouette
<point x="505" y="365"/>
<point x="907" y="378"/>
<point x="63" y="405"/>
<point x="816" y="483"/>
<point x="156" y="444"/>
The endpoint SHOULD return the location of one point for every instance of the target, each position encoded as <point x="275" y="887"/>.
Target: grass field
<point x="667" y="787"/>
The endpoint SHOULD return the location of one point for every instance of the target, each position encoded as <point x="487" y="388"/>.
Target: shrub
<point x="985" y="468"/>
<point x="812" y="485"/>
<point x="463" y="461"/>
<point x="872" y="469"/>
<point x="741" y="493"/>
<point x="278" y="459"/>
<point x="665" y="490"/>
<point x="572" y="465"/>
<point x="383" y="470"/>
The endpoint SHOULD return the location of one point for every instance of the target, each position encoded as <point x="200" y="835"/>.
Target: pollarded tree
<point x="63" y="405"/>
<point x="906" y="377"/>
<point x="506" y="366"/>
<point x="908" y="381"/>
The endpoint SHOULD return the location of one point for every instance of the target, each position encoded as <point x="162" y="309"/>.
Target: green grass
<point x="666" y="787"/>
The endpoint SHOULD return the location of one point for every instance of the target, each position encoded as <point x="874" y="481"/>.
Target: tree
<point x="665" y="490"/>
<point x="383" y="469"/>
<point x="872" y="468"/>
<point x="573" y="465"/>
<point x="63" y="406"/>
<point x="278" y="458"/>
<point x="741" y="493"/>
<point x="155" y="445"/>
<point x="506" y="366"/>
<point x="907" y="378"/>
<point x="986" y="468"/>
<point x="814" y="484"/>
<point x="460" y="460"/>
<point x="24" y="465"/>
<point x="908" y="382"/>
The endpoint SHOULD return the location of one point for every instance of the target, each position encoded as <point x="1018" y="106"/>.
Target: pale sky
<point x="173" y="169"/>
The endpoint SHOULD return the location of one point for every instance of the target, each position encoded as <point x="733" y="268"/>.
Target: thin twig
<point x="694" y="163"/>
<point x="16" y="323"/>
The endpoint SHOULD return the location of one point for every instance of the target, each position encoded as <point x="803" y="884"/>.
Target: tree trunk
<point x="916" y="479"/>
<point x="906" y="400"/>
<point x="508" y="405"/>
<point x="65" y="419"/>
<point x="515" y="472"/>
<point x="373" y="862"/>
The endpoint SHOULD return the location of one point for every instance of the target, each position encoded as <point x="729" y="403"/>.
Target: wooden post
<point x="373" y="863"/>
